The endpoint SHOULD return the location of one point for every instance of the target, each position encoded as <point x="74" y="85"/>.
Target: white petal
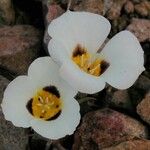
<point x="126" y="59"/>
<point x="72" y="28"/>
<point x="64" y="125"/>
<point x="16" y="96"/>
<point x="57" y="51"/>
<point x="65" y="89"/>
<point x="44" y="72"/>
<point x="80" y="80"/>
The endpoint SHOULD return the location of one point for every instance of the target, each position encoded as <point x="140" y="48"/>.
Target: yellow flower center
<point x="83" y="59"/>
<point x="46" y="104"/>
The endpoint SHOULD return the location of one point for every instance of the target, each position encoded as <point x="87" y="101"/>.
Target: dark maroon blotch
<point x="78" y="51"/>
<point x="54" y="117"/>
<point x="53" y="90"/>
<point x="29" y="106"/>
<point x="104" y="65"/>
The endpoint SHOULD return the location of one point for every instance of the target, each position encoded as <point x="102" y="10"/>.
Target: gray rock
<point x="105" y="128"/>
<point x="140" y="144"/>
<point x="93" y="6"/>
<point x="53" y="11"/>
<point x="115" y="9"/>
<point x="143" y="83"/>
<point x="143" y="109"/>
<point x="141" y="29"/>
<point x="139" y="90"/>
<point x="19" y="46"/>
<point x="118" y="98"/>
<point x="7" y="13"/>
<point x="143" y="8"/>
<point x="129" y="7"/>
<point x="3" y="83"/>
<point x="11" y="137"/>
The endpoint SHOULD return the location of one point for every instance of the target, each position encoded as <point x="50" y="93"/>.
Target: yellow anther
<point x="41" y="99"/>
<point x="39" y="104"/>
<point x="47" y="100"/>
<point x="43" y="111"/>
<point x="51" y="103"/>
<point x="85" y="63"/>
<point x="48" y="107"/>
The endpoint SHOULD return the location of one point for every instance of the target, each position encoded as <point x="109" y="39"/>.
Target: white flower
<point x="76" y="38"/>
<point x="42" y="101"/>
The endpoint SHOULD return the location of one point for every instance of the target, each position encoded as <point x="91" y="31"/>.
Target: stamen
<point x="92" y="70"/>
<point x="43" y="111"/>
<point x="41" y="99"/>
<point x="88" y="64"/>
<point x="39" y="104"/>
<point x="45" y="104"/>
<point x="47" y="107"/>
<point x="47" y="100"/>
<point x="83" y="60"/>
<point x="51" y="103"/>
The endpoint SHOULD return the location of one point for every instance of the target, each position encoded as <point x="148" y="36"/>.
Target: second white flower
<point x="76" y="38"/>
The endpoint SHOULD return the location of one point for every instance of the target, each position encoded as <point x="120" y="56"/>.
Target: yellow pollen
<point x="46" y="105"/>
<point x="84" y="62"/>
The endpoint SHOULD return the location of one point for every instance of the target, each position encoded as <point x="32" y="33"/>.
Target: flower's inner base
<point x="46" y="104"/>
<point x="83" y="59"/>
